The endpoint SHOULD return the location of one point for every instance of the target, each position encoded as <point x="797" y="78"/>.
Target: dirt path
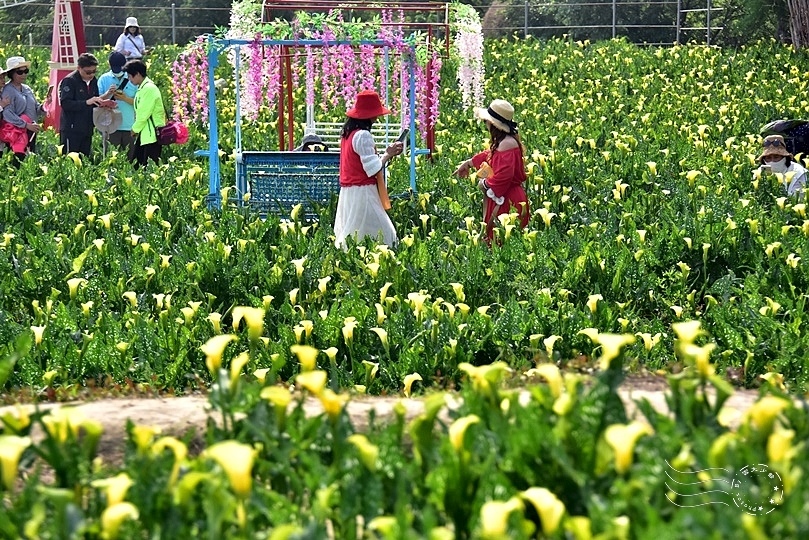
<point x="177" y="415"/>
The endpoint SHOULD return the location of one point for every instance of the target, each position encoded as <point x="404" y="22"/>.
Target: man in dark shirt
<point x="78" y="95"/>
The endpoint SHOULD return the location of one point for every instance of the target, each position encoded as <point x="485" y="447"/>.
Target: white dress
<point x="359" y="208"/>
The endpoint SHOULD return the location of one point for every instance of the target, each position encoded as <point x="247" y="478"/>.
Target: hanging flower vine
<point x="468" y="47"/>
<point x="189" y="90"/>
<point x="333" y="74"/>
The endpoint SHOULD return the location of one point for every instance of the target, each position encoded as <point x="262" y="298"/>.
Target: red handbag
<point x="173" y="132"/>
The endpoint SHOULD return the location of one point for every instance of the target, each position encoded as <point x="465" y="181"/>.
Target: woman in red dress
<point x="503" y="186"/>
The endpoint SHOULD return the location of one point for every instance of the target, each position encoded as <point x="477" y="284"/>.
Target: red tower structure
<point x="67" y="44"/>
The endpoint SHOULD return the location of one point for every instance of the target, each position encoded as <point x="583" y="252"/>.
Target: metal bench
<point x="277" y="181"/>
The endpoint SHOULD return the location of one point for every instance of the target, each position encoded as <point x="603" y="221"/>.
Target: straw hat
<point x="774" y="145"/>
<point x="368" y="105"/>
<point x="500" y="113"/>
<point x="15" y="62"/>
<point x="131" y="21"/>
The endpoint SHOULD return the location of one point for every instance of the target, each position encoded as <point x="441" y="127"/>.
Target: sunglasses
<point x="22" y="72"/>
<point x="774" y="142"/>
<point x="91" y="71"/>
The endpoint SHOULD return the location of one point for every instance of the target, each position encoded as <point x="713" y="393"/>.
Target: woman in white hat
<point x="130" y="43"/>
<point x="502" y="186"/>
<point x="23" y="110"/>
<point x="778" y="160"/>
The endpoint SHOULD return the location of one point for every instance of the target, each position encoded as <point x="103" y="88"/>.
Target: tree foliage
<point x="104" y="20"/>
<point x="732" y="22"/>
<point x="736" y="22"/>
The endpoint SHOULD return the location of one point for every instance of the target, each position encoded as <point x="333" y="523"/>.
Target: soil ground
<point x="177" y="415"/>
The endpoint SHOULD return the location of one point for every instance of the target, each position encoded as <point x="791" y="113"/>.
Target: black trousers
<point x="75" y="141"/>
<point x="140" y="154"/>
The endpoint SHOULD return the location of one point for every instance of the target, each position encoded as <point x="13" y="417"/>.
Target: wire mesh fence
<point x="651" y="21"/>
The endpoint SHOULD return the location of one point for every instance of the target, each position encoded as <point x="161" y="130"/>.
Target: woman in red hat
<point x="363" y="201"/>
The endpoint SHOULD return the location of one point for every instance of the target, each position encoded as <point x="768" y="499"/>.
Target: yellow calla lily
<point x="458" y="429"/>
<point x="236" y="366"/>
<point x="763" y="412"/>
<point x="254" y="317"/>
<point x="75" y="157"/>
<point x="331" y="354"/>
<point x="550" y="342"/>
<point x="150" y="211"/>
<point x="457" y="288"/>
<point x="547" y="505"/>
<point x="701" y="357"/>
<point x="592" y="302"/>
<point x="216" y="321"/>
<point x="115" y="488"/>
<point x="349" y="324"/>
<point x="408" y="382"/>
<point x="552" y="375"/>
<point x="143" y="435"/>
<point x="277" y="395"/>
<point x="387" y="526"/>
<point x="369" y="453"/>
<point x="579" y="527"/>
<point x="11" y="450"/>
<point x="73" y="285"/>
<point x="611" y="345"/>
<point x="16" y="423"/>
<point x="483" y="377"/>
<point x="180" y="451"/>
<point x="38" y="331"/>
<point x="687" y="331"/>
<point x="494" y="518"/>
<point x="307" y="356"/>
<point x="779" y="444"/>
<point x="313" y="381"/>
<point x="213" y="349"/>
<point x="622" y="439"/>
<point x="236" y="459"/>
<point x="114" y="516"/>
<point x="333" y="404"/>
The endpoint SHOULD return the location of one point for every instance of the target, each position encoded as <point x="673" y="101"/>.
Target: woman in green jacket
<point x="149" y="115"/>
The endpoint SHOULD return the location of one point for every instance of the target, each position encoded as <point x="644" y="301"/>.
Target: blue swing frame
<point x="215" y="48"/>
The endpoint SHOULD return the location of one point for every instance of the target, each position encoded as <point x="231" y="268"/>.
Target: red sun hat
<point x="368" y="105"/>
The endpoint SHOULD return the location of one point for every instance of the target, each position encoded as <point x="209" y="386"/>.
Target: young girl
<point x="361" y="207"/>
<point x="502" y="188"/>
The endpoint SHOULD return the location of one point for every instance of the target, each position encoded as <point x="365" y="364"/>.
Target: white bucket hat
<point x="131" y="21"/>
<point x="15" y="62"/>
<point x="500" y="113"/>
<point x="107" y="120"/>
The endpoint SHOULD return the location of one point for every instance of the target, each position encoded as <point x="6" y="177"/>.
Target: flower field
<point x="646" y="218"/>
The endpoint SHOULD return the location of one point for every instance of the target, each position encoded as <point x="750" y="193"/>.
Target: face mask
<point x="779" y="166"/>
